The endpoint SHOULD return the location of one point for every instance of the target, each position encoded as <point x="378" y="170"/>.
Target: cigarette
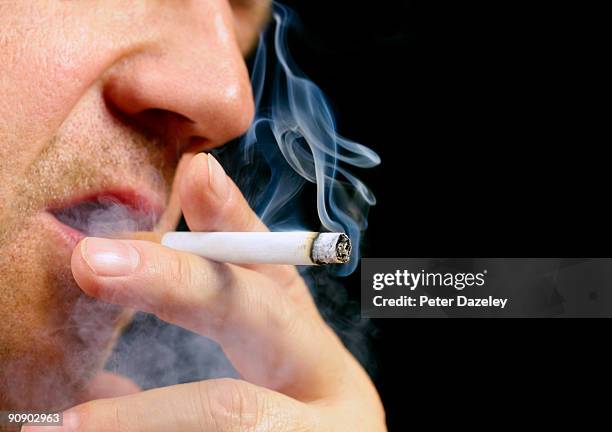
<point x="294" y="248"/>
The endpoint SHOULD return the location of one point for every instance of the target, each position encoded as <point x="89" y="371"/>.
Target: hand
<point x="296" y="373"/>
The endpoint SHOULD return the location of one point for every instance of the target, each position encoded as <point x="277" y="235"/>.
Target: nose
<point x="189" y="84"/>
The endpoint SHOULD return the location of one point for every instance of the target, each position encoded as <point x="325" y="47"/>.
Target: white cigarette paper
<point x="294" y="248"/>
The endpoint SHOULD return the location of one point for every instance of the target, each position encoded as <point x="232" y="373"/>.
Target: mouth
<point x="106" y="214"/>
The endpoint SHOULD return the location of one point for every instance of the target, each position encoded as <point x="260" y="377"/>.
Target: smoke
<point x="294" y="134"/>
<point x="154" y="354"/>
<point x="292" y="143"/>
<point x="105" y="216"/>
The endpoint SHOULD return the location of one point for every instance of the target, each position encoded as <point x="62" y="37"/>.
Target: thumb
<point x="216" y="405"/>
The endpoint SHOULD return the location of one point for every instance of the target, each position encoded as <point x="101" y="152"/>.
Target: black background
<point x="483" y="119"/>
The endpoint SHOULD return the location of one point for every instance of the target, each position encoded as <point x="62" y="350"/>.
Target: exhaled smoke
<point x="295" y="133"/>
<point x="105" y="216"/>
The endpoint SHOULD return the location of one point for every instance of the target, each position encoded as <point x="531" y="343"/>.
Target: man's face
<point x="99" y="101"/>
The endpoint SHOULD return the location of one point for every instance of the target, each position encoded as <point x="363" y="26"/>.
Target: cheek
<point x="51" y="52"/>
<point x="40" y="72"/>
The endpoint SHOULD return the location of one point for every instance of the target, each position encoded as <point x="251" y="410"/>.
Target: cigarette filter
<point x="295" y="248"/>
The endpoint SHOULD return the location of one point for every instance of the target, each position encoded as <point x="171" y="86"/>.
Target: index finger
<point x="211" y="201"/>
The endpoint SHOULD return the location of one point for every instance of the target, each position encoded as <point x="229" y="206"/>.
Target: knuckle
<point x="179" y="269"/>
<point x="231" y="405"/>
<point x="223" y="284"/>
<point x="178" y="274"/>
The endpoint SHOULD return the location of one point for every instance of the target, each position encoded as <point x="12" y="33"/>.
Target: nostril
<point x="172" y="127"/>
<point x="162" y="122"/>
<point x="155" y="122"/>
<point x="196" y="144"/>
<point x="169" y="126"/>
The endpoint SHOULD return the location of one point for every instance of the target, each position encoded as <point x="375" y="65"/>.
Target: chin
<point x="51" y="370"/>
<point x="53" y="338"/>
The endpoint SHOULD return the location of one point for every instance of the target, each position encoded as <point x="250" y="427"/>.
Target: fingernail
<point x="217" y="178"/>
<point x="109" y="257"/>
<point x="70" y="422"/>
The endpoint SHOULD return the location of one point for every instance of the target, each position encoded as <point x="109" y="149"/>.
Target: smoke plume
<point x="292" y="142"/>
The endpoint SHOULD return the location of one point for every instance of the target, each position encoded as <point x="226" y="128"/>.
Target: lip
<point x="144" y="202"/>
<point x="147" y="202"/>
<point x="68" y="235"/>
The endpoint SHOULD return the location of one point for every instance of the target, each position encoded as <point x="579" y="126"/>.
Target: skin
<point x="98" y="95"/>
